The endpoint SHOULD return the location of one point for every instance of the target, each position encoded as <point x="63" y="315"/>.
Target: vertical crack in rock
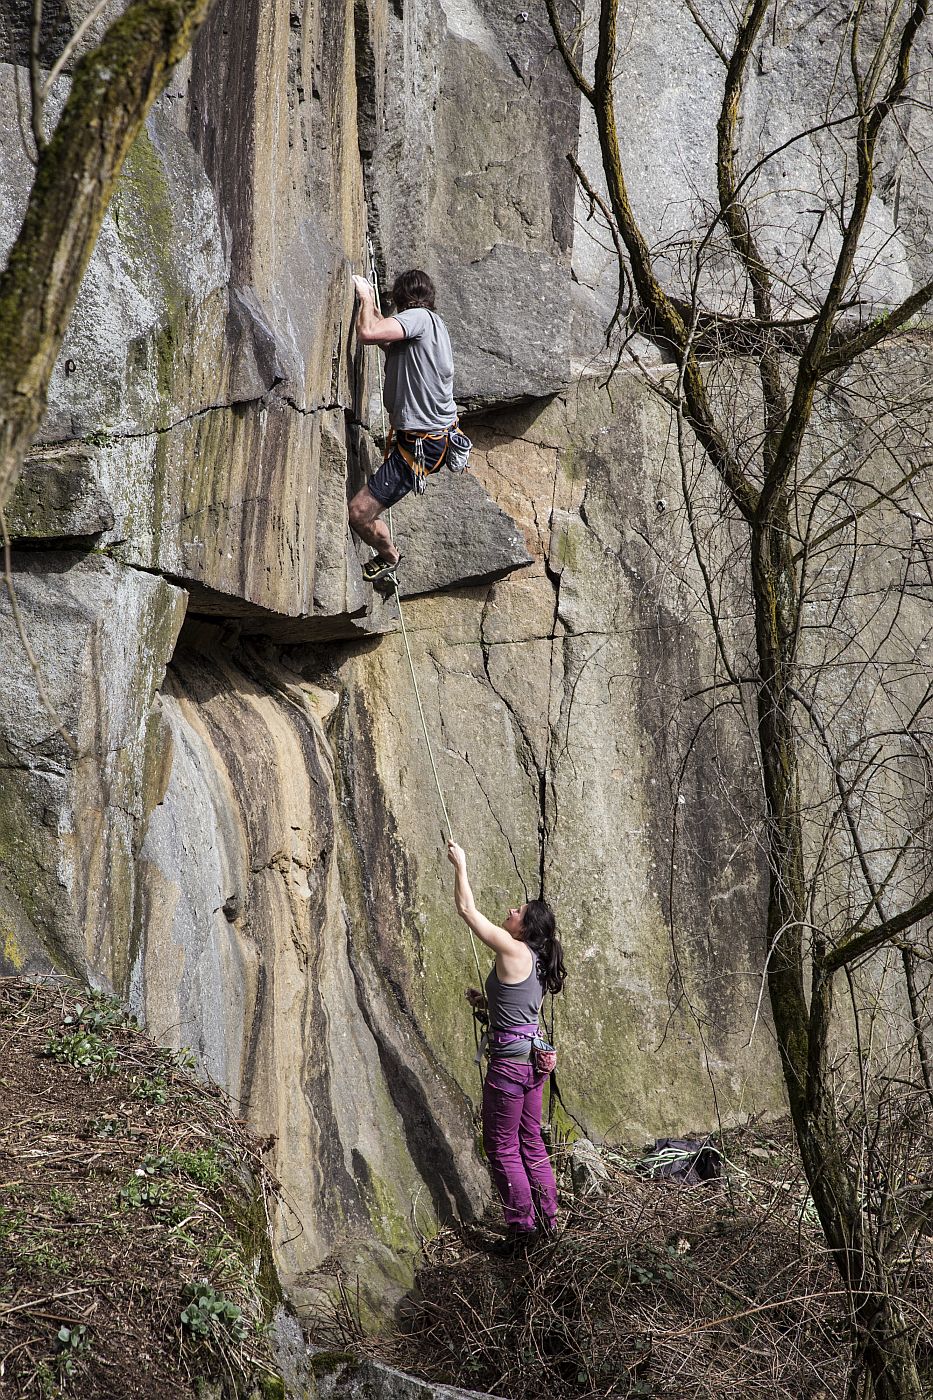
<point x="296" y="84"/>
<point x="431" y="1108"/>
<point x="542" y="774"/>
<point x="524" y="747"/>
<point x="429" y="1146"/>
<point x="465" y="758"/>
<point x="549" y="776"/>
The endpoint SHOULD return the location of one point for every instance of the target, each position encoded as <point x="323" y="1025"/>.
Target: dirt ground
<point x="129" y="1196"/>
<point x="713" y="1292"/>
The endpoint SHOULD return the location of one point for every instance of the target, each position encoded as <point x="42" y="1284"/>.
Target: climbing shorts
<point x="395" y="478"/>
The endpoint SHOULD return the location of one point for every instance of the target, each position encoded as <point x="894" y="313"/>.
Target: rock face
<point x="327" y="1374"/>
<point x="547" y="696"/>
<point x="255" y="949"/>
<point x="246" y="840"/>
<point x="83" y="767"/>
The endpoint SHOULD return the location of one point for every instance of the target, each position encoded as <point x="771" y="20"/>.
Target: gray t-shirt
<point x="419" y="383"/>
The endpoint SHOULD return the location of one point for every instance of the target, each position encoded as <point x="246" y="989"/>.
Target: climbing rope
<point x="401" y="615"/>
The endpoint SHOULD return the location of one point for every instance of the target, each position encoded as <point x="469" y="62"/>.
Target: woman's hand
<point x="475" y="998"/>
<point x="456" y="855"/>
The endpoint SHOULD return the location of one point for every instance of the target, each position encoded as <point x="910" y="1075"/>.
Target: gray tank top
<point x="514" y="1004"/>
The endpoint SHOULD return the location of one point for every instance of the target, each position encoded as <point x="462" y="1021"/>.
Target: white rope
<point x="401" y="615"/>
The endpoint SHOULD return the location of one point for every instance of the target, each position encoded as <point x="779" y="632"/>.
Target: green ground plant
<point x="72" y="1344"/>
<point x="151" y="1089"/>
<point x="208" y="1314"/>
<point x="143" y="1191"/>
<point x="202" y="1166"/>
<point x="98" y="1014"/>
<point x="107" y="1127"/>
<point x="111" y="1199"/>
<point x="83" y="1050"/>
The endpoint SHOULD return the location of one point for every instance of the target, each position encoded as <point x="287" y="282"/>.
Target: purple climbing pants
<point x="512" y="1138"/>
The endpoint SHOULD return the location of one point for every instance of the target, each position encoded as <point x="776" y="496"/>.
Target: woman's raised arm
<point x="486" y="931"/>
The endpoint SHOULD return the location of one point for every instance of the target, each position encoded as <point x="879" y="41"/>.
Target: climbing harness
<point x="401" y="615"/>
<point x="410" y="446"/>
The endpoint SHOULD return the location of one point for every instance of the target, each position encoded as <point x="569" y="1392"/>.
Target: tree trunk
<point x="884" y="1339"/>
<point x="112" y="90"/>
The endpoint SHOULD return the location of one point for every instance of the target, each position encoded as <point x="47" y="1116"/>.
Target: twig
<point x="37" y="95"/>
<point x="72" y="45"/>
<point x="34" y="1303"/>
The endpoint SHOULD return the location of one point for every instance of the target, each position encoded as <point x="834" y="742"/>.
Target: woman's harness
<point x="542" y="1053"/>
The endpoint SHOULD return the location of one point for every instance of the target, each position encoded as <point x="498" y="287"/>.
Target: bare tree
<point x="76" y="169"/>
<point x="801" y="401"/>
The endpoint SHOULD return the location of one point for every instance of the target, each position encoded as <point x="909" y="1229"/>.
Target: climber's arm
<point x="371" y="328"/>
<point x="486" y="931"/>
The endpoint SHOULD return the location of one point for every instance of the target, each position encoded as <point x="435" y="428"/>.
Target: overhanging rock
<point x="454" y="534"/>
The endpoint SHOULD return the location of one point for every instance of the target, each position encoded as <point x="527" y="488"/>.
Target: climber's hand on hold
<point x="456" y="855"/>
<point x="372" y="328"/>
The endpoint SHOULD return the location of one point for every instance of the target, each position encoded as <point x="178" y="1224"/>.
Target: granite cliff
<point x="246" y="844"/>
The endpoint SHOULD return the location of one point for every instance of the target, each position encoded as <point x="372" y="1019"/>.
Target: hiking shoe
<point x="547" y="1232"/>
<point x="513" y="1244"/>
<point x="379" y="570"/>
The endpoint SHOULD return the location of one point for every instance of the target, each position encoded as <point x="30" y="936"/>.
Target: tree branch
<point x="812" y="363"/>
<point x="738" y="225"/>
<point x="846" y="348"/>
<point x="664" y="322"/>
<point x="860" y="943"/>
<point x="707" y="33"/>
<point x="37" y="96"/>
<point x="70" y="48"/>
<point x="112" y="90"/>
<point x="855" y="515"/>
<point x="566" y="53"/>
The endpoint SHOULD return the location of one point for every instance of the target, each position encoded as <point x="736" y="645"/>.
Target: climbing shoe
<point x="380" y="572"/>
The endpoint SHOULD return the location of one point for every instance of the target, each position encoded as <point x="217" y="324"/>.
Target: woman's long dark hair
<point x="539" y="930"/>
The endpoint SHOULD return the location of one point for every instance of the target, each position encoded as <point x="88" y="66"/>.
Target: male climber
<point x="418" y="392"/>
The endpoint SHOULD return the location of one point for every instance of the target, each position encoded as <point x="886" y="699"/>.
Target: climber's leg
<point x="535" y="1157"/>
<point x="503" y="1103"/>
<point x="386" y="487"/>
<point x="364" y="511"/>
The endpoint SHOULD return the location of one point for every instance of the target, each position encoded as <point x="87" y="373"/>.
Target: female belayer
<point x="529" y="963"/>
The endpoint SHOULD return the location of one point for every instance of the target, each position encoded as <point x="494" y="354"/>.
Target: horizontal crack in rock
<point x="106" y="439"/>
